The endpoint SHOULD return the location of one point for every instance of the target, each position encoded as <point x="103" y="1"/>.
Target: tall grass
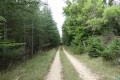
<point x="34" y="69"/>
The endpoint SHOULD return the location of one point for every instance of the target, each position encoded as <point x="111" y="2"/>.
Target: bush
<point x="78" y="49"/>
<point x="112" y="51"/>
<point x="94" y="46"/>
<point x="77" y="44"/>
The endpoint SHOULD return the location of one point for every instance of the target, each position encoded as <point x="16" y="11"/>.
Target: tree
<point x="25" y="29"/>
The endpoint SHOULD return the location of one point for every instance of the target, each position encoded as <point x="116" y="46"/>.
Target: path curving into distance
<point x="55" y="69"/>
<point x="83" y="71"/>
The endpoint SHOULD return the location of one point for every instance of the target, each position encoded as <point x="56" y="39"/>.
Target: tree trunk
<point x="32" y="37"/>
<point x="5" y="27"/>
<point x="84" y="44"/>
<point x="24" y="56"/>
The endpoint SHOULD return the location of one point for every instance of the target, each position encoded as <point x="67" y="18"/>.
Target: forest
<point x="26" y="28"/>
<point x="33" y="48"/>
<point x="93" y="27"/>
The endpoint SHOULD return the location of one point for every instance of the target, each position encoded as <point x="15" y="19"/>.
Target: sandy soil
<point x="55" y="69"/>
<point x="81" y="68"/>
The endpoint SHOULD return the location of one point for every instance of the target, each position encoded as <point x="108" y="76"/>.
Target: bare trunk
<point x="84" y="44"/>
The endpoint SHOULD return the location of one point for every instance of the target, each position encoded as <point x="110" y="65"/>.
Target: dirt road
<point x="55" y="69"/>
<point x="83" y="71"/>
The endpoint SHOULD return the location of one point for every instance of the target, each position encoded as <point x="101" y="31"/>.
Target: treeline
<point x="93" y="27"/>
<point x="26" y="27"/>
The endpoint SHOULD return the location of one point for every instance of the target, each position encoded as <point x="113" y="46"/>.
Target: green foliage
<point x="24" y="24"/>
<point x="77" y="44"/>
<point x="66" y="38"/>
<point x="112" y="51"/>
<point x="77" y="49"/>
<point x="73" y="9"/>
<point x="111" y="17"/>
<point x="85" y="18"/>
<point x="112" y="12"/>
<point x="14" y="54"/>
<point x="10" y="44"/>
<point x="95" y="24"/>
<point x="95" y="46"/>
<point x="2" y="19"/>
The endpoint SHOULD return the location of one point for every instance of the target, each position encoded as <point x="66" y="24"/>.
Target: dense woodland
<point x="26" y="28"/>
<point x="93" y="27"/>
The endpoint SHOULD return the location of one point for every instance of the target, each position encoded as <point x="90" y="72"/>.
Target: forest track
<point x="84" y="72"/>
<point x="55" y="69"/>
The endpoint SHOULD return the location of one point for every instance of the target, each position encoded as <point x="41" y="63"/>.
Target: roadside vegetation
<point x="93" y="27"/>
<point x="107" y="70"/>
<point x="33" y="69"/>
<point x="69" y="72"/>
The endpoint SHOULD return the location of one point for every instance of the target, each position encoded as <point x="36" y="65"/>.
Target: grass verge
<point x="69" y="72"/>
<point x="34" y="69"/>
<point x="107" y="70"/>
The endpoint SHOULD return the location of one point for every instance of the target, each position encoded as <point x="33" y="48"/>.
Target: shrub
<point x="77" y="44"/>
<point x="94" y="46"/>
<point x="112" y="51"/>
<point x="78" y="49"/>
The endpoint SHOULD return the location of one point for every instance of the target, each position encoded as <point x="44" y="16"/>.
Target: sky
<point x="57" y="11"/>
